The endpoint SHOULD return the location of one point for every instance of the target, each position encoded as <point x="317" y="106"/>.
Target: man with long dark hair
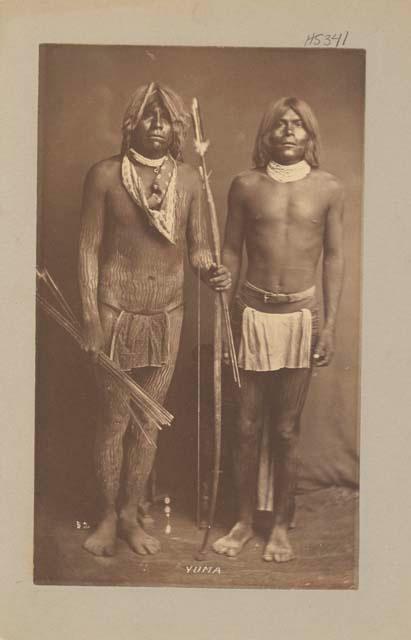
<point x="288" y="213"/>
<point x="140" y="210"/>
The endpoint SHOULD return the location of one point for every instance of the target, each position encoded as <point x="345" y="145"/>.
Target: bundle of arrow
<point x="138" y="398"/>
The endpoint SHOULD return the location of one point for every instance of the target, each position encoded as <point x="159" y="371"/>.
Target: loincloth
<point x="142" y="340"/>
<point x="275" y="331"/>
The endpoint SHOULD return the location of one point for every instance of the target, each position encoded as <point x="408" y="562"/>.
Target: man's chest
<point x="123" y="210"/>
<point x="276" y="204"/>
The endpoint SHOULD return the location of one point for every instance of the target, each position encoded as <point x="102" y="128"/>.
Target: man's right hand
<point x="93" y="339"/>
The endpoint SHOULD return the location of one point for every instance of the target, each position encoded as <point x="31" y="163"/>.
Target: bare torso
<point x="284" y="226"/>
<point x="139" y="269"/>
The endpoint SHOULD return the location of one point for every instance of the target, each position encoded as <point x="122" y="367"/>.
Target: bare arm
<point x="333" y="274"/>
<point x="234" y="235"/>
<point x="91" y="233"/>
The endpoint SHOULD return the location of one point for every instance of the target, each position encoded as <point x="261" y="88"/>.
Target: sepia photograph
<point x="198" y="323"/>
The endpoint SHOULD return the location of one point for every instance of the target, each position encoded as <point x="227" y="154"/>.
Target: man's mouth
<point x="288" y="144"/>
<point x="155" y="136"/>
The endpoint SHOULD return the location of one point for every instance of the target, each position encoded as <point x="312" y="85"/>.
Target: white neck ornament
<point x="147" y="162"/>
<point x="288" y="172"/>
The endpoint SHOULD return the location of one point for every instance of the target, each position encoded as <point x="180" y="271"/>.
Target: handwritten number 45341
<point x="326" y="39"/>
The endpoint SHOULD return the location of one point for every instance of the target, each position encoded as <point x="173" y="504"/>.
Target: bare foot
<point x="233" y="542"/>
<point x="278" y="547"/>
<point x="139" y="541"/>
<point x="102" y="542"/>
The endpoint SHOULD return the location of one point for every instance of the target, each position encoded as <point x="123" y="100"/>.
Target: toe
<point x="140" y="550"/>
<point x="153" y="546"/>
<point x="283" y="556"/>
<point x="109" y="551"/>
<point x="93" y="548"/>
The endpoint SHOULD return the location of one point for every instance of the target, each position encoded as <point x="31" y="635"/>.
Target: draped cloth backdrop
<point x="83" y="94"/>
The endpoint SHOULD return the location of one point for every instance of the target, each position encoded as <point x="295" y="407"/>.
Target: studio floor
<point x="325" y="543"/>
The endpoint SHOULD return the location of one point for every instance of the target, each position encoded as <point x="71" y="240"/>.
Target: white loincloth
<point x="272" y="341"/>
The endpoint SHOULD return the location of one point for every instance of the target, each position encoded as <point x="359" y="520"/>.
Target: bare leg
<point x="250" y="424"/>
<point x="139" y="461"/>
<point x="289" y="387"/>
<point x="140" y="454"/>
<point x="292" y="523"/>
<point x="108" y="460"/>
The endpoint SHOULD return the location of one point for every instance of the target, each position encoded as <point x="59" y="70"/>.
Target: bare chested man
<point x="141" y="209"/>
<point x="288" y="213"/>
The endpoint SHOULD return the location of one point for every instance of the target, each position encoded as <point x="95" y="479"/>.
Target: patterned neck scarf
<point x="160" y="204"/>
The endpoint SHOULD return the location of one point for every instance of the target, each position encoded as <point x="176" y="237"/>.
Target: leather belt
<point x="278" y="298"/>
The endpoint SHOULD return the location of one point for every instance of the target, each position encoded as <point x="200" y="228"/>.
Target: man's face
<point x="288" y="138"/>
<point x="152" y="135"/>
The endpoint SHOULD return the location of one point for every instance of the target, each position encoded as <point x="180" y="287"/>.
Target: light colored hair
<point x="275" y="111"/>
<point x="173" y="104"/>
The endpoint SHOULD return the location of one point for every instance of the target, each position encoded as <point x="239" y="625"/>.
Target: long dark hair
<point x="179" y="117"/>
<point x="275" y="111"/>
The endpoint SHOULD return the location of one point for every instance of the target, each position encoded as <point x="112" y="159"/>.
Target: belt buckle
<point x="268" y="297"/>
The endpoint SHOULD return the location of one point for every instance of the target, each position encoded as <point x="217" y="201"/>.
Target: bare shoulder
<point x="103" y="173"/>
<point x="189" y="175"/>
<point x="329" y="183"/>
<point x="246" y="181"/>
<point x="247" y="178"/>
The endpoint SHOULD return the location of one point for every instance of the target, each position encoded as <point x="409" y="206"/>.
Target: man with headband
<point x="141" y="209"/>
<point x="288" y="213"/>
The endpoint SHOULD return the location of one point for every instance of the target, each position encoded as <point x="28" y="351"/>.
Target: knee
<point x="113" y="425"/>
<point x="108" y="437"/>
<point x="287" y="430"/>
<point x="249" y="426"/>
<point x="250" y="416"/>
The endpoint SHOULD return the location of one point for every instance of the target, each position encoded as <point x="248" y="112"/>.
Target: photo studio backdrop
<point x="84" y="91"/>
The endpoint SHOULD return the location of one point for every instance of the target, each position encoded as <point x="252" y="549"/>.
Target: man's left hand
<point x="324" y="350"/>
<point x="218" y="277"/>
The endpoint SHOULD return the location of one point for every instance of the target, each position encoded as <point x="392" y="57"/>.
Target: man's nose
<point x="157" y="121"/>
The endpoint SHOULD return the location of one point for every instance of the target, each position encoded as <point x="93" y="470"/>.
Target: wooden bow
<point x="220" y="311"/>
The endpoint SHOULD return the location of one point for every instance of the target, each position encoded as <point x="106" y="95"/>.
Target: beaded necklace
<point x="288" y="172"/>
<point x="154" y="163"/>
